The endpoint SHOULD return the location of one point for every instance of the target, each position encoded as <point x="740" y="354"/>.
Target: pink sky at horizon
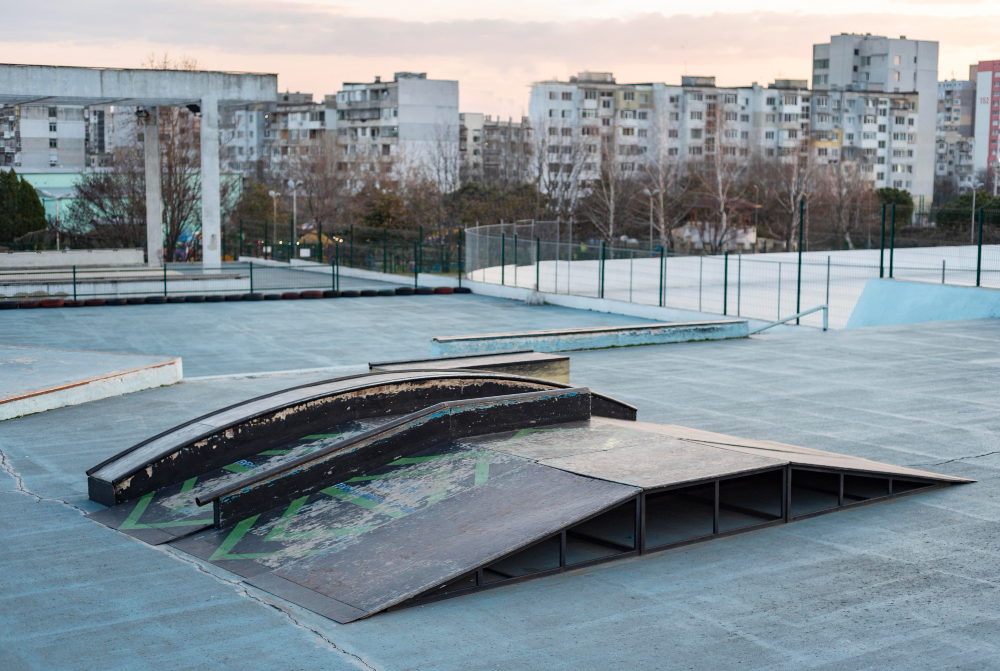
<point x="488" y="48"/>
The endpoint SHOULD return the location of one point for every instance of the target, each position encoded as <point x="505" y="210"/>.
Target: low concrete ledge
<point x="521" y="362"/>
<point x="38" y="379"/>
<point x="599" y="337"/>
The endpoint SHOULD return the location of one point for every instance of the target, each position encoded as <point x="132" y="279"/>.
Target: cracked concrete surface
<point x="908" y="584"/>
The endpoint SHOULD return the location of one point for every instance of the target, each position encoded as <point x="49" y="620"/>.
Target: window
<point x="673" y="99"/>
<point x="675" y="116"/>
<point x="552" y="95"/>
<point x="695" y="96"/>
<point x="695" y="133"/>
<point x="895" y="60"/>
<point x="881" y="144"/>
<point x="628" y="131"/>
<point x="52" y="127"/>
<point x="52" y="143"/>
<point x="823" y="118"/>
<point x="770" y="152"/>
<point x="744" y="118"/>
<point x="567" y="95"/>
<point x="791" y="100"/>
<point x="567" y="132"/>
<point x="606" y="104"/>
<point x="881" y="128"/>
<point x="588" y="130"/>
<point x="793" y="134"/>
<point x="672" y="151"/>
<point x="553" y="131"/>
<point x="605" y="122"/>
<point x="672" y="132"/>
<point x="52" y="111"/>
<point x="644" y="98"/>
<point x="821" y="151"/>
<point x="731" y="116"/>
<point x="642" y="132"/>
<point x="696" y="116"/>
<point x="822" y="101"/>
<point x="588" y="114"/>
<point x="771" y="118"/>
<point x="895" y="75"/>
<point x="552" y="113"/>
<point x="822" y="63"/>
<point x="730" y="99"/>
<point x="566" y="114"/>
<point x="590" y="94"/>
<point x="643" y="116"/>
<point x="788" y="118"/>
<point x="628" y="95"/>
<point x="627" y="114"/>
<point x="769" y="135"/>
<point x="772" y="101"/>
<point x="694" y="151"/>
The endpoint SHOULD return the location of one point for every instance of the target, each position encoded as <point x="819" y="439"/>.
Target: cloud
<point x="317" y="46"/>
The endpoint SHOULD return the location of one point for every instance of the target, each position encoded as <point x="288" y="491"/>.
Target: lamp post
<point x="274" y="219"/>
<point x="48" y="194"/>
<point x="650" y="194"/>
<point x="294" y="186"/>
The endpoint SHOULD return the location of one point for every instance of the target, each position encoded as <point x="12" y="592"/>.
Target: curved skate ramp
<point x="471" y="494"/>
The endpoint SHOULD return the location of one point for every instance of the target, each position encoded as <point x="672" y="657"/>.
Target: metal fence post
<point x="828" y="283"/>
<point x="663" y="259"/>
<point x="515" y="258"/>
<point x="631" y="264"/>
<point x="503" y="259"/>
<point x="74" y="279"/>
<point x="881" y="247"/>
<point x="892" y="239"/>
<point x="942" y="271"/>
<point x="251" y="280"/>
<point x="240" y="252"/>
<point x="798" y="288"/>
<point x="319" y="241"/>
<point x="739" y="280"/>
<point x="385" y="248"/>
<point x="602" y="268"/>
<point x="265" y="243"/>
<point x="336" y="265"/>
<point x="164" y="279"/>
<point x="538" y="263"/>
<point x="350" y="260"/>
<point x="779" y="289"/>
<point x="420" y="251"/>
<point x="979" y="250"/>
<point x="416" y="270"/>
<point x="725" y="284"/>
<point x="461" y="259"/>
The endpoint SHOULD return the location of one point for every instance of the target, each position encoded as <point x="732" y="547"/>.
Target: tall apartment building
<point x="39" y="138"/>
<point x="877" y="64"/>
<point x="493" y="151"/>
<point x="874" y="130"/>
<point x="954" y="135"/>
<point x="987" y="116"/>
<point x="409" y="123"/>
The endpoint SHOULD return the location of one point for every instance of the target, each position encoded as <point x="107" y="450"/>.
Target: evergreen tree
<point x="21" y="211"/>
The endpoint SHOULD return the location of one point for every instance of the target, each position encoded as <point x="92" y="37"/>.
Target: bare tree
<point x="110" y="206"/>
<point x="561" y="157"/>
<point x="722" y="176"/>
<point x="665" y="170"/>
<point x="849" y="200"/>
<point x="609" y="205"/>
<point x="791" y="177"/>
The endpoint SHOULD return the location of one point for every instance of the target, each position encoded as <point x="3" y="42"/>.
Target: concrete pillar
<point x="154" y="197"/>
<point x="211" y="214"/>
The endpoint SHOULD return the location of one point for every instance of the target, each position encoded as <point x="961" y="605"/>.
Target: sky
<point x="494" y="49"/>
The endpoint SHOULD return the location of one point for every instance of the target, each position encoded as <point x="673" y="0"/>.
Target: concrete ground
<point x="227" y="338"/>
<point x="908" y="584"/>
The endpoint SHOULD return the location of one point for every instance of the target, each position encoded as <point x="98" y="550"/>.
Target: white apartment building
<point x="35" y="138"/>
<point x="878" y="64"/>
<point x="409" y="123"/>
<point x="494" y="151"/>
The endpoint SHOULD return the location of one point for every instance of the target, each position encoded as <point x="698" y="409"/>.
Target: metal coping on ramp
<point x="518" y="362"/>
<point x="240" y="430"/>
<point x="478" y="493"/>
<point x="597" y="337"/>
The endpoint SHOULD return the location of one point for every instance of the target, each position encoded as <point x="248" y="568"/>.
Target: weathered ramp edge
<point x="239" y="430"/>
<point x="408" y="556"/>
<point x="530" y="363"/>
<point x="395" y="440"/>
<point x="796" y="455"/>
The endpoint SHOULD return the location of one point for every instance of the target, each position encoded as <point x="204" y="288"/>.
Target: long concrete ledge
<point x="36" y="380"/>
<point x="600" y="337"/>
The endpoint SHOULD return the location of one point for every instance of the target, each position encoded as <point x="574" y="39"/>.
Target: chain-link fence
<point x="767" y="286"/>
